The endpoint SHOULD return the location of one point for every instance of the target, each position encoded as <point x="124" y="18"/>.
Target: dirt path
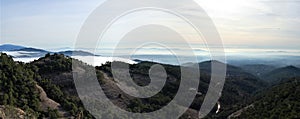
<point x="239" y="112"/>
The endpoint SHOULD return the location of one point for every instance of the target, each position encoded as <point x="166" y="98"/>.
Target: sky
<point x="50" y="24"/>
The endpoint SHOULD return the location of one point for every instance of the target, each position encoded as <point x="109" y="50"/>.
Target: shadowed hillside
<point x="279" y="101"/>
<point x="280" y="74"/>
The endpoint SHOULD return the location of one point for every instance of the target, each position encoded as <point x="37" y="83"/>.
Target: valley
<point x="53" y="74"/>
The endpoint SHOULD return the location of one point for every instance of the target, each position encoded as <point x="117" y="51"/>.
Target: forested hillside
<point x="280" y="74"/>
<point x="279" y="101"/>
<point x="19" y="89"/>
<point x="57" y="81"/>
<point x="45" y="88"/>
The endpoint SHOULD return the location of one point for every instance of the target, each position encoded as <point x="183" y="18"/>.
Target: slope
<point x="280" y="101"/>
<point x="283" y="73"/>
<point x="20" y="90"/>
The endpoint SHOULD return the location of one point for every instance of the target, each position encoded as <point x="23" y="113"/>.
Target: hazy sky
<point x="241" y="23"/>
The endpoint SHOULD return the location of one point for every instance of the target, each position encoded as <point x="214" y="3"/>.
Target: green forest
<point x="45" y="88"/>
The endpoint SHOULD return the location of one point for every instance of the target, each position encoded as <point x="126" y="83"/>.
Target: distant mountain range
<point x="18" y="51"/>
<point x="9" y="47"/>
<point x="76" y="53"/>
<point x="30" y="50"/>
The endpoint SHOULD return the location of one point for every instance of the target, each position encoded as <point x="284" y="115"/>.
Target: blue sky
<point x="50" y="24"/>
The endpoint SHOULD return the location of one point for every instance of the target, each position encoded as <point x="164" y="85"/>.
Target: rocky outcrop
<point x="47" y="103"/>
<point x="8" y="112"/>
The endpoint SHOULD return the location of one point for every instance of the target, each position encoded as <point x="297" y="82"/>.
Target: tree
<point x="5" y="99"/>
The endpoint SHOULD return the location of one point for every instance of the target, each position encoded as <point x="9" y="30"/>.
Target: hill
<point x="30" y="50"/>
<point x="238" y="88"/>
<point x="8" y="47"/>
<point x="239" y="85"/>
<point x="19" y="89"/>
<point x="51" y="78"/>
<point x="283" y="73"/>
<point x="258" y="70"/>
<point x="76" y="53"/>
<point x="58" y="83"/>
<point x="279" y="101"/>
